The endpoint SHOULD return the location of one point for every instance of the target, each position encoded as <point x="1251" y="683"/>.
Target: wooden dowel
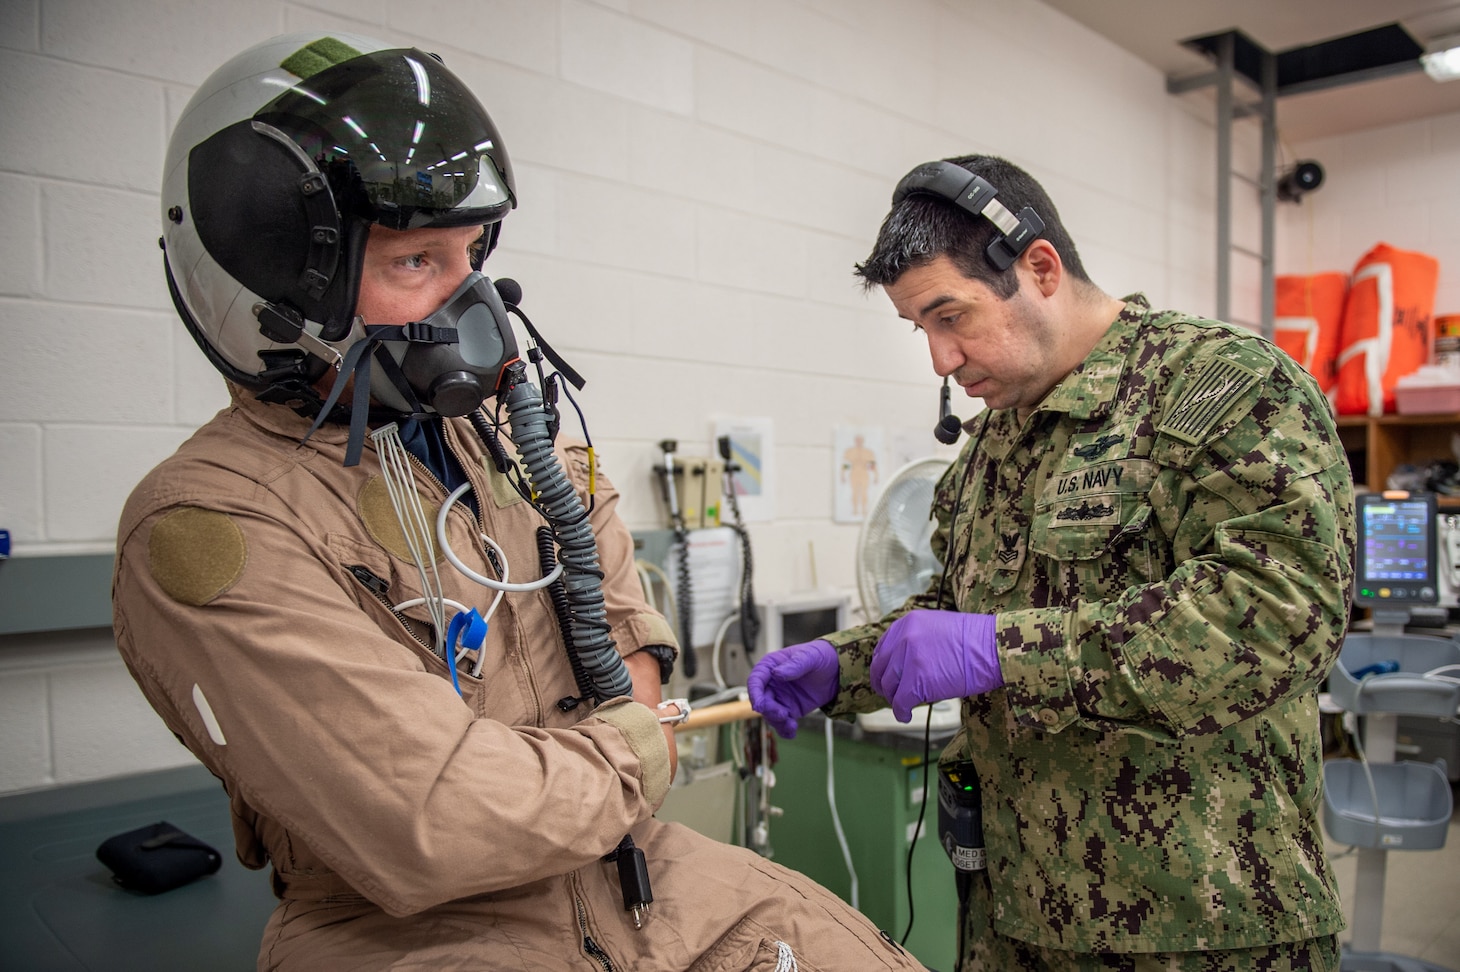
<point x="716" y="715"/>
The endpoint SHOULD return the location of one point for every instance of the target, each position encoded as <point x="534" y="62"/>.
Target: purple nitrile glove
<point x="929" y="656"/>
<point x="787" y="684"/>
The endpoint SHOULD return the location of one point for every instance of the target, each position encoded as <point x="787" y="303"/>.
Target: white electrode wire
<point x="418" y="601"/>
<point x="1369" y="776"/>
<point x="482" y="579"/>
<point x="646" y="583"/>
<point x="656" y="570"/>
<point x="836" y="819"/>
<point x="735" y="693"/>
<point x="476" y="670"/>
<point x="456" y="606"/>
<point x="1435" y="673"/>
<point x="400" y="483"/>
<point x="719" y="645"/>
<point x="668" y="608"/>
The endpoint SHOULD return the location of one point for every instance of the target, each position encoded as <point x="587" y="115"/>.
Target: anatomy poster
<point x="859" y="467"/>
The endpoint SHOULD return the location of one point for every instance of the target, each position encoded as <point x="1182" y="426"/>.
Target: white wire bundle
<point x="400" y="483"/>
<point x="497" y="585"/>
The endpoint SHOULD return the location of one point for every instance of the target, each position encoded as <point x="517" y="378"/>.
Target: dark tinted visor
<point x="401" y="140"/>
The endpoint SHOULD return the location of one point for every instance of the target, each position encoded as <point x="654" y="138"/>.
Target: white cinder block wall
<point x="1397" y="185"/>
<point x="696" y="179"/>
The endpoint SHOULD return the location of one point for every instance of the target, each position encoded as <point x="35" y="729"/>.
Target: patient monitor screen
<point x="1397" y="550"/>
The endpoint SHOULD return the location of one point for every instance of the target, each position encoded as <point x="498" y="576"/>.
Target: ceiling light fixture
<point x="1442" y="63"/>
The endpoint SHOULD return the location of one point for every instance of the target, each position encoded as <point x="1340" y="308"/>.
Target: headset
<point x="975" y="195"/>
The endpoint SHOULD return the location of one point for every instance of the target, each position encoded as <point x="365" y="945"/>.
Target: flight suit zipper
<point x="378" y="586"/>
<point x="591" y="947"/>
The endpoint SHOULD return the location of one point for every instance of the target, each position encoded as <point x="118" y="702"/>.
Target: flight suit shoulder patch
<point x="1209" y="394"/>
<point x="196" y="554"/>
<point x="378" y="515"/>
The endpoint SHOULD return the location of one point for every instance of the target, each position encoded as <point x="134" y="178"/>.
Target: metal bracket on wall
<point x="1368" y="55"/>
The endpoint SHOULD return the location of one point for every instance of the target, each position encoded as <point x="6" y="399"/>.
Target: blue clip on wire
<point x="467" y="628"/>
<point x="1378" y="668"/>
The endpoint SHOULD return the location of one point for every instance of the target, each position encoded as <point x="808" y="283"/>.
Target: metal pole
<point x="1269" y="192"/>
<point x="1225" y="58"/>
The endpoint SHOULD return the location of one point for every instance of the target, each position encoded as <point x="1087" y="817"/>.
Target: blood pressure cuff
<point x="157" y="858"/>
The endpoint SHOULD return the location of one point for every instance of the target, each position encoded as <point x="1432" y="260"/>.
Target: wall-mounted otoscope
<point x="684" y="593"/>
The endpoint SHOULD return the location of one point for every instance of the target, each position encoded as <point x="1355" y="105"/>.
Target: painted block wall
<point x="696" y="180"/>
<point x="1396" y="184"/>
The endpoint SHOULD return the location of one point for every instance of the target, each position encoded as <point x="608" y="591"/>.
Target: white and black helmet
<point x="279" y="165"/>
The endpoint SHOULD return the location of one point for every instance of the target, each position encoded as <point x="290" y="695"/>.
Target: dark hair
<point x="923" y="227"/>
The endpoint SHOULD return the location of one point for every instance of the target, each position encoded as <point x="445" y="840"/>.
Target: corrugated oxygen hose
<point x="588" y="628"/>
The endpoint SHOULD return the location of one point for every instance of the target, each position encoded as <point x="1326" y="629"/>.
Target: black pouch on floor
<point x="157" y="858"/>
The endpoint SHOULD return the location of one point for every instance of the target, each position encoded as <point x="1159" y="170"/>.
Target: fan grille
<point x="895" y="553"/>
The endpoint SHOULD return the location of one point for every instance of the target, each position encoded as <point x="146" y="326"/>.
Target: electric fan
<point x="895" y="561"/>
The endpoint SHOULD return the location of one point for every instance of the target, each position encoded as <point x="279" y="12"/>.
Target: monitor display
<point x="1397" y="556"/>
<point x="799" y="618"/>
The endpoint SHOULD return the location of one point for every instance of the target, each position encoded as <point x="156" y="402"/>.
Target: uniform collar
<point x="1089" y="391"/>
<point x="282" y="420"/>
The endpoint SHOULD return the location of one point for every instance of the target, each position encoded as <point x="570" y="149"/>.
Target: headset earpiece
<point x="975" y="195"/>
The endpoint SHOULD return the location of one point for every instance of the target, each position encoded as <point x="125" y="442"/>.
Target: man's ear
<point x="1041" y="261"/>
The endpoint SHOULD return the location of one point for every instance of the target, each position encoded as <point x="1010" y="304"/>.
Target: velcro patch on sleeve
<point x="640" y="727"/>
<point x="1206" y="398"/>
<point x="196" y="554"/>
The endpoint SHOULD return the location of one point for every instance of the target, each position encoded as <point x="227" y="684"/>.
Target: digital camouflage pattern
<point x="1167" y="544"/>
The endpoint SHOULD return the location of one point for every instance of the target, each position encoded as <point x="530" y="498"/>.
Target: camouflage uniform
<point x="1166" y="542"/>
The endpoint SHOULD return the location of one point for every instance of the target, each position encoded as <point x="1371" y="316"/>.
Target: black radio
<point x="960" y="820"/>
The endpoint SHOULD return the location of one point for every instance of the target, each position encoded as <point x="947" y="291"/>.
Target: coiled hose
<point x="547" y="559"/>
<point x="588" y="628"/>
<point x="684" y="606"/>
<point x="749" y="616"/>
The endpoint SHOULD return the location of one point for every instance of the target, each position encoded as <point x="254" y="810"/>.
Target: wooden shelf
<point x="1377" y="445"/>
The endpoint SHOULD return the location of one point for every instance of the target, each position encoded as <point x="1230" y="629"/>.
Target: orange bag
<point x="1307" y="321"/>
<point x="1386" y="327"/>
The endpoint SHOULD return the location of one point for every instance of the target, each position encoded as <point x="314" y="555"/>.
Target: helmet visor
<point x="401" y="140"/>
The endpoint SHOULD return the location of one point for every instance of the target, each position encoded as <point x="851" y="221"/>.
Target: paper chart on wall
<point x="714" y="571"/>
<point x="752" y="448"/>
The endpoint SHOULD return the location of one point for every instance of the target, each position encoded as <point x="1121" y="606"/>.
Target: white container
<point x="1432" y="390"/>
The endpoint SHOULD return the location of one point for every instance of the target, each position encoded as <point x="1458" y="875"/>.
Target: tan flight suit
<point x="407" y="826"/>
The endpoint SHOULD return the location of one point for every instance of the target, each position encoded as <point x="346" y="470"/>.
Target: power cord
<point x="836" y="819"/>
<point x="918" y="830"/>
<point x="928" y="726"/>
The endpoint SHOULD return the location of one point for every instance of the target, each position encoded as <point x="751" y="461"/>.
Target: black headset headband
<point x="974" y="194"/>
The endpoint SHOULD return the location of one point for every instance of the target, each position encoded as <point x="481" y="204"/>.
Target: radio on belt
<point x="960" y="820"/>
